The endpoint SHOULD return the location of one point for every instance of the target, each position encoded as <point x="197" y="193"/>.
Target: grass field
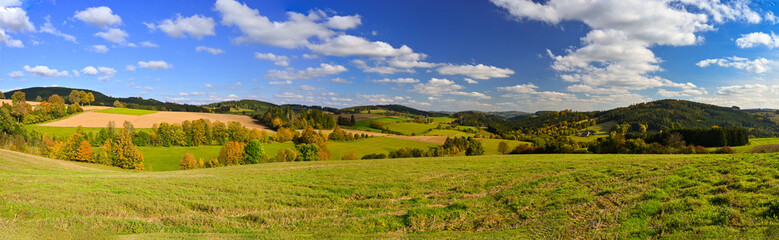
<point x="407" y="128"/>
<point x="372" y="145"/>
<point x="448" y="133"/>
<point x="167" y="158"/>
<point x="491" y="145"/>
<point x="126" y="111"/>
<point x="442" y="119"/>
<point x="68" y="131"/>
<point x="365" y="125"/>
<point x="495" y="197"/>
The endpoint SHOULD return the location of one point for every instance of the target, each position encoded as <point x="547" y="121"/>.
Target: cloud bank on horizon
<point x="505" y="55"/>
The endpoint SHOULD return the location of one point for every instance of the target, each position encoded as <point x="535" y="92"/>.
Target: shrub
<point x="701" y="150"/>
<point x="188" y="162"/>
<point x="308" y="152"/>
<point x="474" y="148"/>
<point x="349" y="156"/>
<point x="83" y="152"/>
<point x="503" y="147"/>
<point x="725" y="150"/>
<point x="286" y="155"/>
<point x="231" y="154"/>
<point x="374" y="156"/>
<point x="121" y="152"/>
<point x="254" y="152"/>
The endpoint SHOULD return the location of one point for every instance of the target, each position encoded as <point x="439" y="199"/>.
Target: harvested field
<point x="438" y="140"/>
<point x="8" y="101"/>
<point x="95" y="119"/>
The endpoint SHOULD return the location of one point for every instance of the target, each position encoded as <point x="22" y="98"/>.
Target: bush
<point x="188" y="162"/>
<point x="725" y="150"/>
<point x="231" y="154"/>
<point x="503" y="147"/>
<point x="349" y="156"/>
<point x="474" y="148"/>
<point x="254" y="152"/>
<point x="286" y="155"/>
<point x="525" y="149"/>
<point x="375" y="156"/>
<point x="308" y="152"/>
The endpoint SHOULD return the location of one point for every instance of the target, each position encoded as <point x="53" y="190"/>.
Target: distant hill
<point x="104" y="100"/>
<point x="260" y="106"/>
<point x="394" y="108"/>
<point x="657" y="115"/>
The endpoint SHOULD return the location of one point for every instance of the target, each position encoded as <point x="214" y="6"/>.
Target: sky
<point x="447" y="55"/>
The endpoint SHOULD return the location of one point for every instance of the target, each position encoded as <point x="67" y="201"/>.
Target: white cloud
<point x="310" y="88"/>
<point x="49" y="28"/>
<point x="149" y="44"/>
<point x="130" y="68"/>
<point x="438" y="87"/>
<point x="683" y="93"/>
<point x="154" y="65"/>
<point x="8" y="41"/>
<point x="348" y="45"/>
<point x="310" y="56"/>
<point x="16" y="74"/>
<point x="471" y="81"/>
<point x="287" y="82"/>
<point x="76" y="73"/>
<point x="745" y="96"/>
<point x="480" y="71"/>
<point x="98" y="16"/>
<point x="341" y="80"/>
<point x="616" y="52"/>
<point x="759" y="65"/>
<point x="520" y="88"/>
<point x="15" y="19"/>
<point x="279" y="60"/>
<point x="214" y="51"/>
<point x="324" y="69"/>
<point x="114" y="35"/>
<point x="757" y="38"/>
<point x="44" y="71"/>
<point x="99" y="48"/>
<point x="195" y="26"/>
<point x="378" y="69"/>
<point x="106" y="70"/>
<point x="207" y="85"/>
<point x="397" y="80"/>
<point x="288" y="34"/>
<point x="344" y="22"/>
<point x="90" y="70"/>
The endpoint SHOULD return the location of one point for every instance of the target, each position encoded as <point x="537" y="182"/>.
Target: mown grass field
<point x="442" y="119"/>
<point x="519" y="196"/>
<point x="64" y="132"/>
<point x="365" y="125"/>
<point x="448" y="133"/>
<point x="408" y="128"/>
<point x="126" y="111"/>
<point x="372" y="145"/>
<point x="491" y="145"/>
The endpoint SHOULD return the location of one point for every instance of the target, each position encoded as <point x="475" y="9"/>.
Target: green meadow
<point x="126" y="111"/>
<point x="481" y="197"/>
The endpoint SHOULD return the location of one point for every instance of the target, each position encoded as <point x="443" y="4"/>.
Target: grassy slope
<point x="491" y="145"/>
<point x="442" y="119"/>
<point x="68" y="131"/>
<point x="365" y="125"/>
<point x="371" y="145"/>
<point x="407" y="128"/>
<point x="126" y="111"/>
<point x="448" y="133"/>
<point x="529" y="196"/>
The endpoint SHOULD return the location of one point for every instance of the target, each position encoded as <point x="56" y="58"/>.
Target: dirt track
<point x="95" y="119"/>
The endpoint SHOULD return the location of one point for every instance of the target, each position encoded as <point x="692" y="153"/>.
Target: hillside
<point x="530" y="196"/>
<point x="394" y="108"/>
<point x="104" y="100"/>
<point x="656" y="115"/>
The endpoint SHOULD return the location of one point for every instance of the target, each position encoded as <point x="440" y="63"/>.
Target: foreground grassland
<point x="126" y="111"/>
<point x="528" y="196"/>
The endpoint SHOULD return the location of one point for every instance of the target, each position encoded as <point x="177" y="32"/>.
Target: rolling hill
<point x="105" y="100"/>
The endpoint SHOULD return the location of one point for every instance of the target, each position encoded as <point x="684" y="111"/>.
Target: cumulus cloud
<point x="396" y="80"/>
<point x="214" y="51"/>
<point x="154" y="65"/>
<point x="745" y="96"/>
<point x="106" y="70"/>
<point x="756" y="39"/>
<point x="324" y="69"/>
<point x="438" y="87"/>
<point x="616" y="52"/>
<point x="89" y="70"/>
<point x="759" y="65"/>
<point x="16" y="74"/>
<point x="101" y="17"/>
<point x="279" y="60"/>
<point x="340" y="80"/>
<point x="310" y="88"/>
<point x="293" y="33"/>
<point x="114" y="35"/>
<point x="195" y="26"/>
<point x="44" y="71"/>
<point x="378" y="69"/>
<point x="49" y="28"/>
<point x="348" y="45"/>
<point x="5" y="39"/>
<point x="15" y="19"/>
<point x="480" y="71"/>
<point x="130" y="68"/>
<point x="682" y="93"/>
<point x="471" y="81"/>
<point x="99" y="48"/>
<point x="287" y="82"/>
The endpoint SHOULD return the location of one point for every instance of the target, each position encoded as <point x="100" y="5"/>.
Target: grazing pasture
<point x="481" y="197"/>
<point x="126" y="111"/>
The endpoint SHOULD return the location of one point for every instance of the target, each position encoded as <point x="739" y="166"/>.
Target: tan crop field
<point x="95" y="119"/>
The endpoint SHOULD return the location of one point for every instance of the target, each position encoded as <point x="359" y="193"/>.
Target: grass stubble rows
<point x="484" y="197"/>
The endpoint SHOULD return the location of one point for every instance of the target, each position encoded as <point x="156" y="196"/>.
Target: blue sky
<point x="490" y="55"/>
